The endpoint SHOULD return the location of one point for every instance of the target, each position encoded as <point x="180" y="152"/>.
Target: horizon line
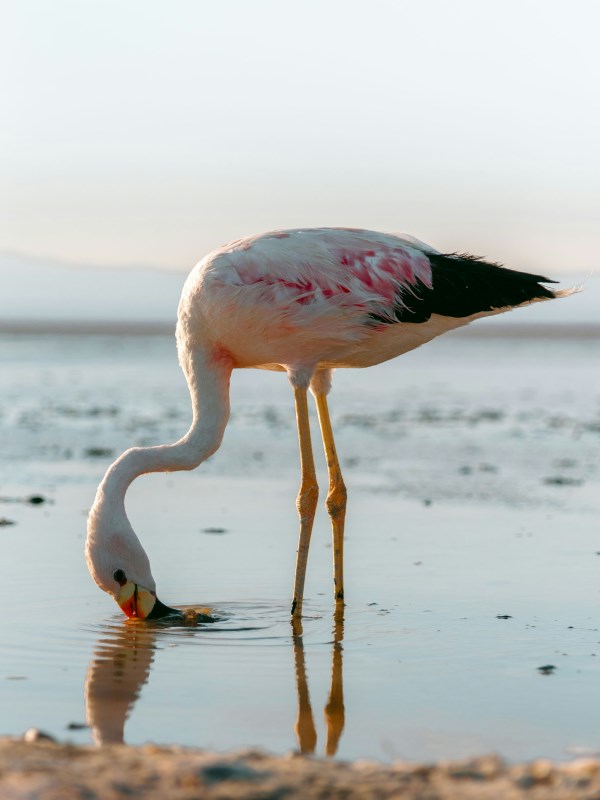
<point x="492" y="330"/>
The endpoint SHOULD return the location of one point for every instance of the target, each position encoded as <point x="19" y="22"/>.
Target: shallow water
<point x="473" y="475"/>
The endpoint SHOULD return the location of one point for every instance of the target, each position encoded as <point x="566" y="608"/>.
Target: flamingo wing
<point x="386" y="278"/>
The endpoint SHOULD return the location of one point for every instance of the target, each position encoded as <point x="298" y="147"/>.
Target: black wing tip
<point x="470" y="258"/>
<point x="464" y="285"/>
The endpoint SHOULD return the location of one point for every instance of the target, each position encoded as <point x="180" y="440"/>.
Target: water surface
<point x="472" y="555"/>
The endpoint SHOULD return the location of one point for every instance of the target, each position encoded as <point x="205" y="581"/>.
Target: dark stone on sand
<point x="98" y="452"/>
<point x="228" y="771"/>
<point x="562" y="480"/>
<point x="503" y="616"/>
<point x="35" y="499"/>
<point x="547" y="669"/>
<point x="214" y="530"/>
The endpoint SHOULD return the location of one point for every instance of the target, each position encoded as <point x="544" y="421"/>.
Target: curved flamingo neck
<point x="208" y="383"/>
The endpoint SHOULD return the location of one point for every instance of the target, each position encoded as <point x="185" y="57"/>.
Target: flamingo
<point x="305" y="302"/>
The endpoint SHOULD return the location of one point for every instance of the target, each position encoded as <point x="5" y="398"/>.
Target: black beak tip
<point x="160" y="610"/>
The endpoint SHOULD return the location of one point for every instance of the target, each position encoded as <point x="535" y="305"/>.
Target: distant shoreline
<point x="151" y="328"/>
<point x="87" y="328"/>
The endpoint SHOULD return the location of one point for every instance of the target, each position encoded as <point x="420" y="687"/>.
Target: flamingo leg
<point x="308" y="495"/>
<point x="336" y="498"/>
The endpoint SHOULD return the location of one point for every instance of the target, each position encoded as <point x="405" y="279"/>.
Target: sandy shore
<point x="43" y="770"/>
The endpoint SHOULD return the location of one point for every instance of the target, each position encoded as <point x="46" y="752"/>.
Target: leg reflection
<point x="335" y="715"/>
<point x="304" y="728"/>
<point x="334" y="711"/>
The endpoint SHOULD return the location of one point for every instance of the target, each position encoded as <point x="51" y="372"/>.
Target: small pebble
<point x="561" y="480"/>
<point x="541" y="770"/>
<point x="98" y="452"/>
<point x="36" y="735"/>
<point x="219" y="772"/>
<point x="547" y="669"/>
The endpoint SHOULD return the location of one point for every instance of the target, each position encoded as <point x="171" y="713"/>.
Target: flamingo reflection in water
<point x="119" y="668"/>
<point x="123" y="659"/>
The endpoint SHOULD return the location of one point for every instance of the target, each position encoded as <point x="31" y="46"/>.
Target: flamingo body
<point x="304" y="301"/>
<point x="324" y="297"/>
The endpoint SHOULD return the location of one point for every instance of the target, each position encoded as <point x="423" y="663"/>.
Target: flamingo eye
<point x="120" y="577"/>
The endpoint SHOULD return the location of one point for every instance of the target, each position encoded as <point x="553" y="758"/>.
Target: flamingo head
<point x="119" y="565"/>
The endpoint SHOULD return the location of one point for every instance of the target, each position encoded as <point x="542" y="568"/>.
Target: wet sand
<point x="48" y="771"/>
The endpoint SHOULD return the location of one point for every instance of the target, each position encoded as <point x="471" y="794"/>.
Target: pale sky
<point x="151" y="131"/>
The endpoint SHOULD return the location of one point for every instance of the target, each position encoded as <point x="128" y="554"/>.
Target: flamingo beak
<point x="136" y="602"/>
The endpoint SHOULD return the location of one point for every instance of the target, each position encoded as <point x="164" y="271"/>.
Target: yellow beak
<point x="136" y="602"/>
